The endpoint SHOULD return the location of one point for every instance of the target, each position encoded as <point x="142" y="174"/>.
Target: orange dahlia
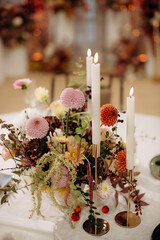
<point x="120" y="164"/>
<point x="109" y="115"/>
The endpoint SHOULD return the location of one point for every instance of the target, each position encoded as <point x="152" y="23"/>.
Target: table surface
<point x="14" y="217"/>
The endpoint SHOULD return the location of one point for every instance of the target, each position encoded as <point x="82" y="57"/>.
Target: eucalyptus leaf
<point x="71" y="84"/>
<point x="77" y="138"/>
<point x="72" y="185"/>
<point x="81" y="73"/>
<point x="78" y="193"/>
<point x="81" y="87"/>
<point x="79" y="131"/>
<point x="80" y="79"/>
<point x="84" y="123"/>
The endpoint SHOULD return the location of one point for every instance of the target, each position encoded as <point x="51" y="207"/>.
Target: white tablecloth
<point x="148" y="145"/>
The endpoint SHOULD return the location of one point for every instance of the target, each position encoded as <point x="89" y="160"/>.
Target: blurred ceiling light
<point x="127" y="27"/>
<point x="142" y="57"/>
<point x="136" y="32"/>
<point x="37" y="56"/>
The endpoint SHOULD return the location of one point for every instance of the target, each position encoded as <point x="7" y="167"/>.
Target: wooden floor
<point x="146" y="91"/>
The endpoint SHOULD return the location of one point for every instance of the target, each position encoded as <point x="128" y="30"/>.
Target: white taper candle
<point x="89" y="61"/>
<point x="130" y="130"/>
<point x="95" y="76"/>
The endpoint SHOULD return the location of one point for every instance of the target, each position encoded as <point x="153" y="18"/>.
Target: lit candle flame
<point x="89" y="52"/>
<point x="96" y="58"/>
<point x="131" y="92"/>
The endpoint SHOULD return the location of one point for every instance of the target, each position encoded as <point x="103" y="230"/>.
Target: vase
<point x="16" y="61"/>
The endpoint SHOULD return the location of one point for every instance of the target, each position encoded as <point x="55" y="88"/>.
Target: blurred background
<point x="47" y="40"/>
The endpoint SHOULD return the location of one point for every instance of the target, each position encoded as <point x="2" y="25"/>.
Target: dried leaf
<point x="136" y="173"/>
<point x="125" y="190"/>
<point x="141" y="195"/>
<point x="142" y="203"/>
<point x="115" y="182"/>
<point x="4" y="199"/>
<point x="17" y="172"/>
<point x="126" y="199"/>
<point x="105" y="166"/>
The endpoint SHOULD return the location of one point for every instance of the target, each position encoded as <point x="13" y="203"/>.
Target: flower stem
<point x="47" y="102"/>
<point x="79" y="113"/>
<point x="67" y="123"/>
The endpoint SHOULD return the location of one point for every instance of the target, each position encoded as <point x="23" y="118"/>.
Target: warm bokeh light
<point x="136" y="32"/>
<point x="89" y="52"/>
<point x="142" y="57"/>
<point x="131" y="7"/>
<point x="96" y="58"/>
<point x="131" y="92"/>
<point x="155" y="23"/>
<point x="156" y="39"/>
<point x="37" y="56"/>
<point x="123" y="8"/>
<point x="127" y="27"/>
<point x="37" y="32"/>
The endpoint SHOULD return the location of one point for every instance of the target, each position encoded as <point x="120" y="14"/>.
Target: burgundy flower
<point x="53" y="122"/>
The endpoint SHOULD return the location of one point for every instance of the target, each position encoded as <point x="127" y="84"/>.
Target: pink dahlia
<point x="73" y="98"/>
<point x="37" y="127"/>
<point x="22" y="83"/>
<point x="63" y="179"/>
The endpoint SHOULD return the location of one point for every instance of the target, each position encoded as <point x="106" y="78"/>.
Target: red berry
<point x="77" y="209"/>
<point x="75" y="217"/>
<point x="105" y="209"/>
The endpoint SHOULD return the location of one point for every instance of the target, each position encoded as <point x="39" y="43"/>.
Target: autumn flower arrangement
<point x="67" y="6"/>
<point x="15" y="23"/>
<point x="56" y="152"/>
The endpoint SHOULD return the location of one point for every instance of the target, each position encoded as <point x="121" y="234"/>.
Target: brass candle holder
<point x="127" y="218"/>
<point x="98" y="226"/>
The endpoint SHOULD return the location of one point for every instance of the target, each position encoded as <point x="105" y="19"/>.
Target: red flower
<point x="109" y="115"/>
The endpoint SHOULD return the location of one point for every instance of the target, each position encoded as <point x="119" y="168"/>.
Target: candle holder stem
<point x="127" y="218"/>
<point x="130" y="179"/>
<point x="97" y="226"/>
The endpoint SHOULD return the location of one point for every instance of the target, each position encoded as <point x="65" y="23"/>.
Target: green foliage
<point x="80" y="75"/>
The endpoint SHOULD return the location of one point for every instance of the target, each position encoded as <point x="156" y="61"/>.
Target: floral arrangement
<point x="128" y="55"/>
<point x="15" y="23"/>
<point x="116" y="5"/>
<point x="148" y="10"/>
<point x="55" y="151"/>
<point x="67" y="6"/>
<point x="56" y="60"/>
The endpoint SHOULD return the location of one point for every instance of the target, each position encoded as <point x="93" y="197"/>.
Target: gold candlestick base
<point x="101" y="229"/>
<point x="127" y="219"/>
<point x="98" y="226"/>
